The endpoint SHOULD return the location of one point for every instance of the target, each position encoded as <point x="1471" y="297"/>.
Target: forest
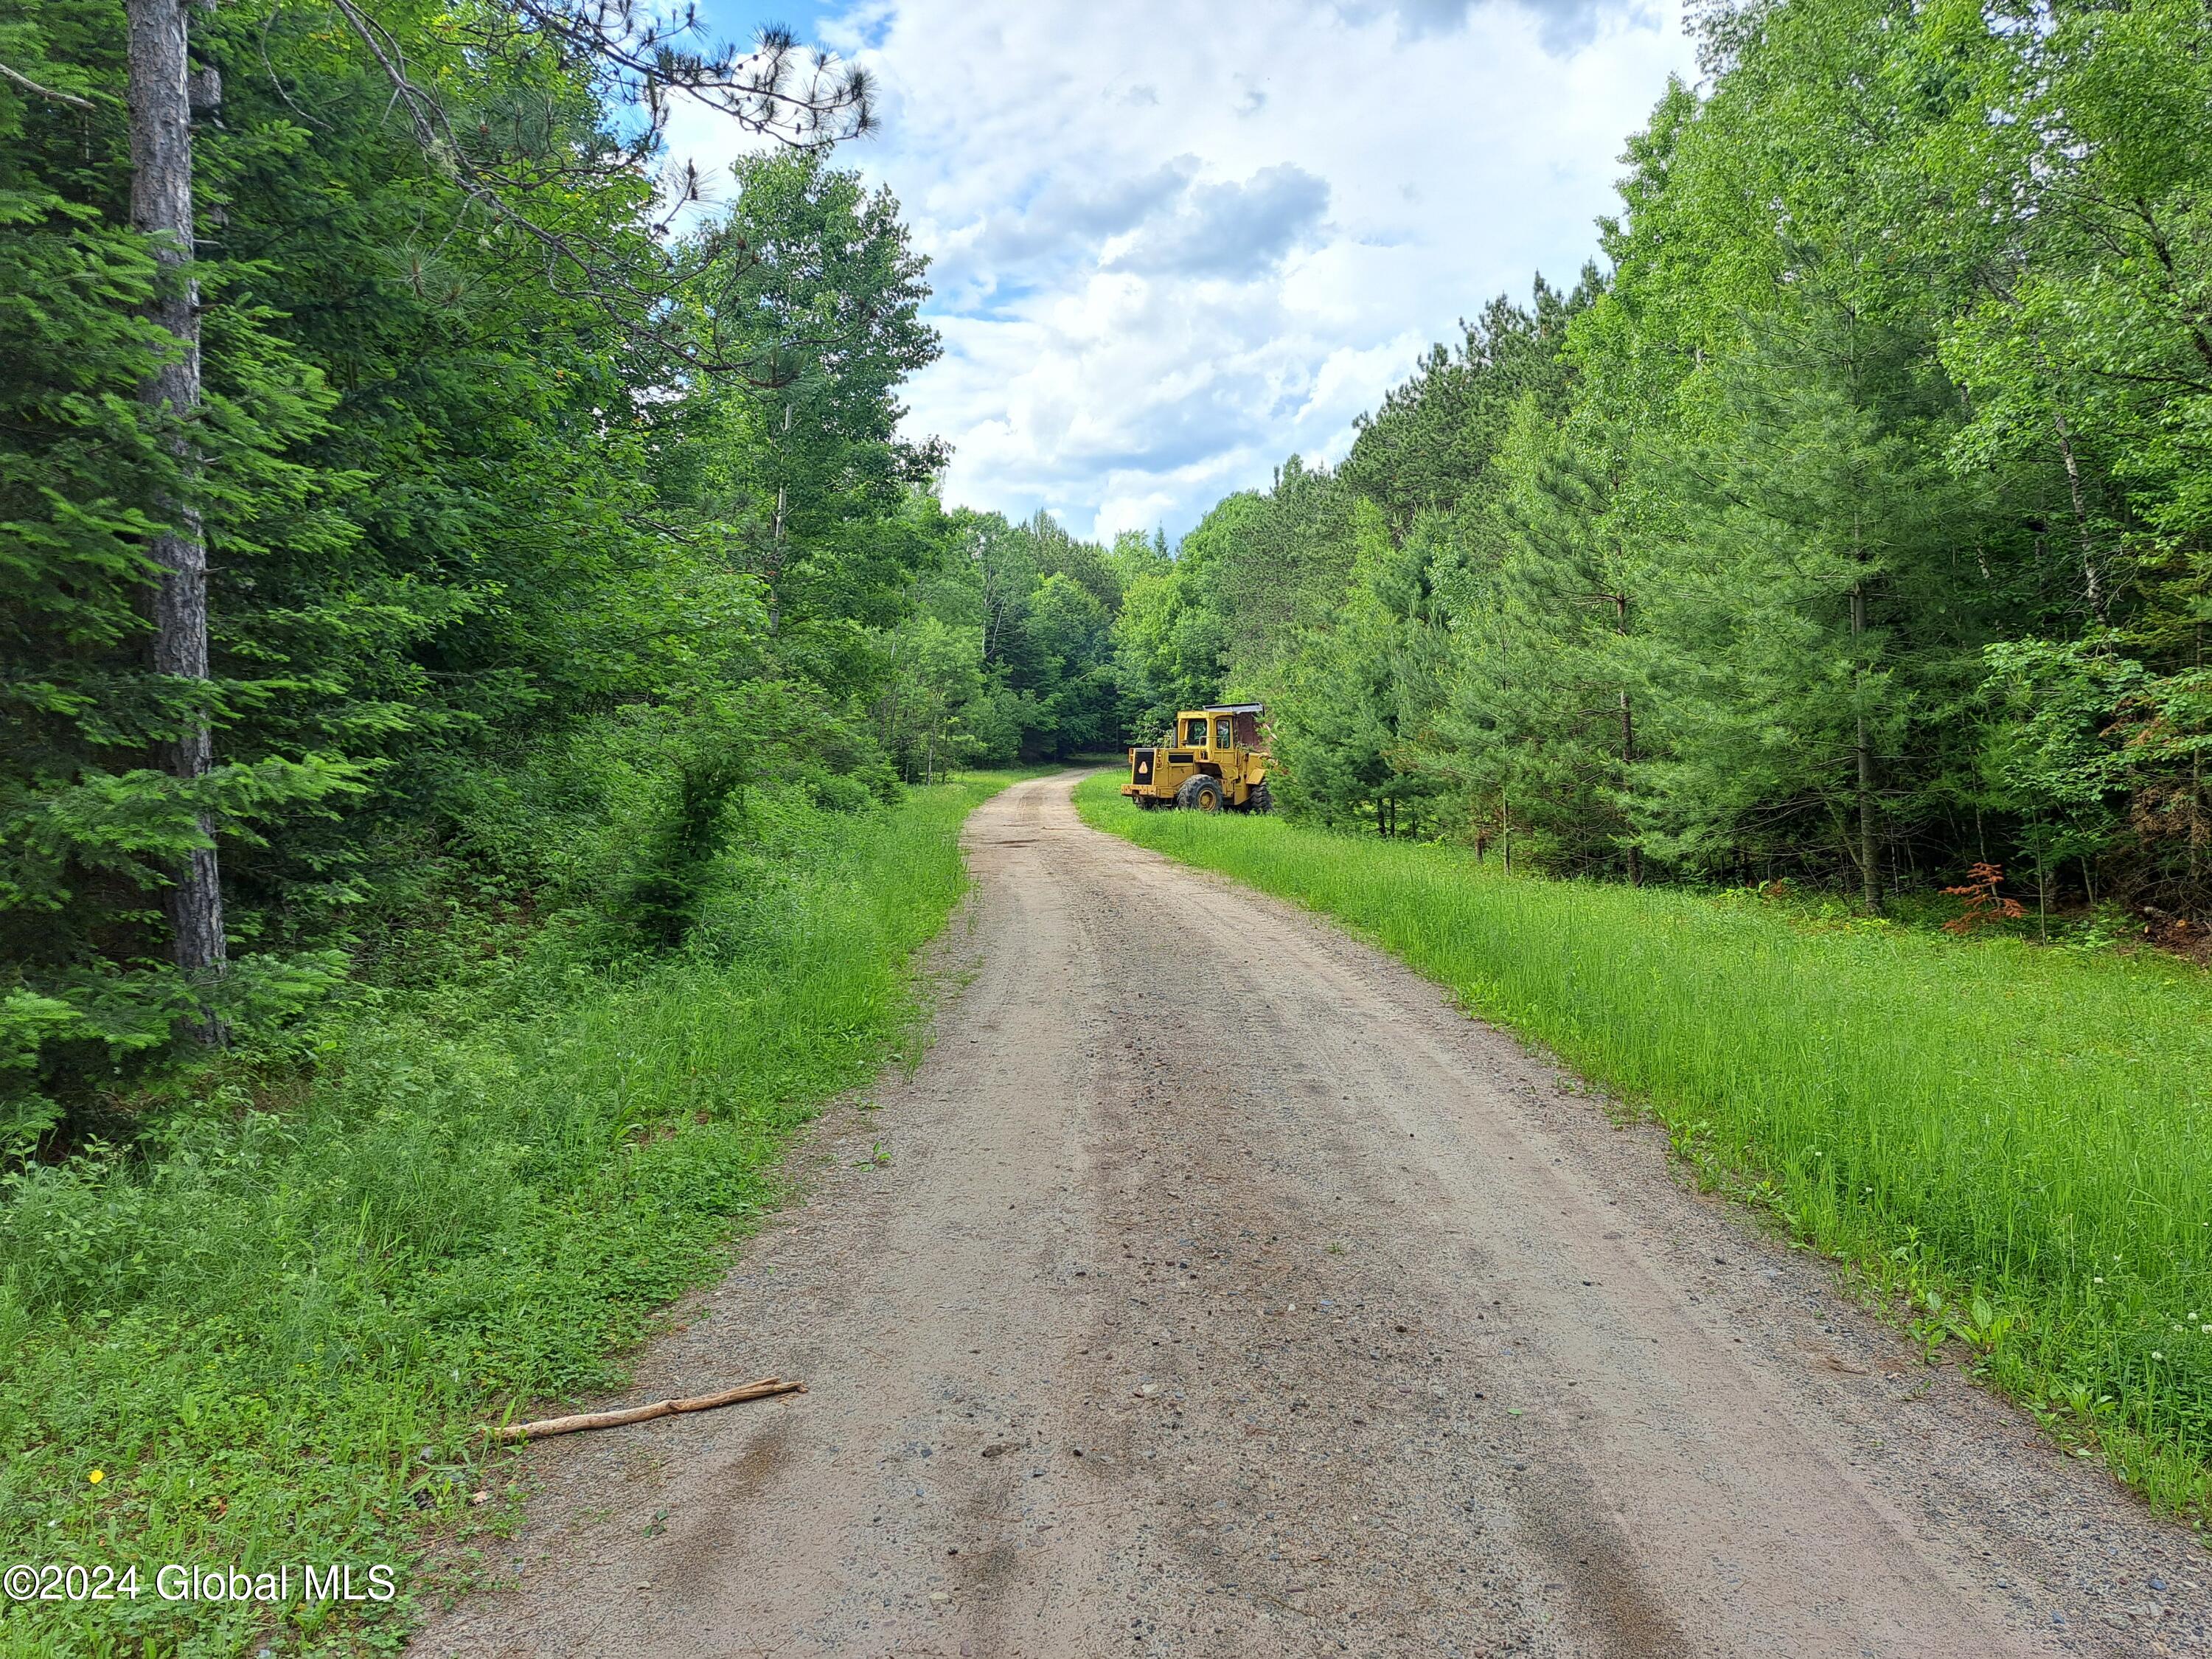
<point x="1848" y="528"/>
<point x="493" y="680"/>
<point x="555" y="516"/>
<point x="483" y="665"/>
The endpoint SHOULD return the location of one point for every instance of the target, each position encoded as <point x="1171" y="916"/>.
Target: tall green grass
<point x="2016" y="1140"/>
<point x="274" y="1331"/>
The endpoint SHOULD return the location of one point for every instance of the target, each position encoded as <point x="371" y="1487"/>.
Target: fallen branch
<point x="510" y="1432"/>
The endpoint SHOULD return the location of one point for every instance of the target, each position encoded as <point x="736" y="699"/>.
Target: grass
<point x="2013" y="1145"/>
<point x="272" y="1334"/>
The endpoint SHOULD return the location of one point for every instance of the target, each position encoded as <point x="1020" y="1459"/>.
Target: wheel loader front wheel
<point x="1199" y="794"/>
<point x="1263" y="800"/>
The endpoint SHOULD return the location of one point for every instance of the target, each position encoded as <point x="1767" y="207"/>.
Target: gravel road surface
<point x="1227" y="1293"/>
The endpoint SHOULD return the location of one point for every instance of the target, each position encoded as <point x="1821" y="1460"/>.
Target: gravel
<point x="1373" y="1337"/>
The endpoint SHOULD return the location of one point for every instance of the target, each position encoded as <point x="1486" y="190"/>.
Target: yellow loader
<point x="1211" y="761"/>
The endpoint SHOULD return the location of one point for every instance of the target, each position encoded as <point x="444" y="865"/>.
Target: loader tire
<point x="1263" y="800"/>
<point x="1199" y="794"/>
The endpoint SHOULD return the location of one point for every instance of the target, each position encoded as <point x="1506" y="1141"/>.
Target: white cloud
<point x="1174" y="243"/>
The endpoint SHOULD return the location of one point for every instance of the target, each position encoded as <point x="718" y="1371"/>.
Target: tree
<point x="450" y="499"/>
<point x="1426" y="449"/>
<point x="1853" y="525"/>
<point x="1544" y="701"/>
<point x="1813" y="644"/>
<point x="789" y="458"/>
<point x="1355" y="732"/>
<point x="633" y="58"/>
<point x="162" y="105"/>
<point x="503" y="153"/>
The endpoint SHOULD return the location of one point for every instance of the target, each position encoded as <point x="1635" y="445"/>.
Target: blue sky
<point x="1174" y="241"/>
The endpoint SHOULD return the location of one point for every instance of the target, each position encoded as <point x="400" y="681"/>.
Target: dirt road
<point x="1226" y="1293"/>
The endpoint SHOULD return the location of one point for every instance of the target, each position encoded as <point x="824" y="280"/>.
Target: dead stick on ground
<point x="703" y="1402"/>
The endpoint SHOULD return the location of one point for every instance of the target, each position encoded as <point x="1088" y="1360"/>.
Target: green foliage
<point x="1173" y="636"/>
<point x="278" y="1330"/>
<point x="87" y="831"/>
<point x="665" y="898"/>
<point x="1426" y="450"/>
<point x="2025" y="1135"/>
<point x="1809" y="632"/>
<point x="1011" y="649"/>
<point x="1852" y="527"/>
<point x="571" y="633"/>
<point x="1325" y="596"/>
<point x="479" y="492"/>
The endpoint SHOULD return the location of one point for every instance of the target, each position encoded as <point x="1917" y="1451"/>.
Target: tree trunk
<point x="161" y="87"/>
<point x="1870" y="856"/>
<point x="775" y="547"/>
<point x="1627" y="741"/>
<point x="2197" y="813"/>
<point x="1627" y="760"/>
<point x="994" y="606"/>
<point x="2093" y="587"/>
<point x="775" y="567"/>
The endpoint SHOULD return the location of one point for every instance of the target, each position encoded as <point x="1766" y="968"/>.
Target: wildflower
<point x="2155" y="1354"/>
<point x="2098" y="1279"/>
<point x="2207" y="1330"/>
<point x="99" y="1476"/>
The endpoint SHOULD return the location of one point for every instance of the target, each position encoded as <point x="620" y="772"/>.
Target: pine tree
<point x="1817" y="655"/>
<point x="1545" y="683"/>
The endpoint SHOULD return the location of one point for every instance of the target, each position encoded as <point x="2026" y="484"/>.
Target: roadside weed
<point x="272" y="1334"/>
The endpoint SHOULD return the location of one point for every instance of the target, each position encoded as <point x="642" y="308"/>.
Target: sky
<point x="1175" y="241"/>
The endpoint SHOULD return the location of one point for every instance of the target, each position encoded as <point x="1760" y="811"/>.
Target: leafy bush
<point x="664" y="895"/>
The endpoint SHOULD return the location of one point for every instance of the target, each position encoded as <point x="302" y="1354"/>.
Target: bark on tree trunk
<point x="775" y="567"/>
<point x="162" y="89"/>
<point x="775" y="552"/>
<point x="2197" y="813"/>
<point x="1870" y="860"/>
<point x="1627" y="740"/>
<point x="2093" y="587"/>
<point x="1627" y="760"/>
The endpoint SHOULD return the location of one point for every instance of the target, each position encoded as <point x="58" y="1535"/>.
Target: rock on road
<point x="1227" y="1292"/>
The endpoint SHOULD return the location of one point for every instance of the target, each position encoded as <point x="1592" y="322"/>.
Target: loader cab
<point x="1210" y="759"/>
